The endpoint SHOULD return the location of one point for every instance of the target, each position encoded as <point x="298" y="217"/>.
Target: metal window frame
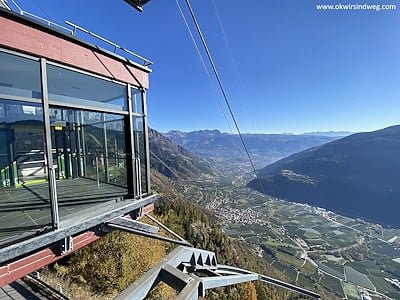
<point x="21" y="99"/>
<point x="12" y="52"/>
<point x="130" y="147"/>
<point x="48" y="149"/>
<point x="87" y="107"/>
<point x="74" y="69"/>
<point x="142" y="115"/>
<point x="139" y="91"/>
<point x="146" y="140"/>
<point x="55" y="221"/>
<point x="83" y="106"/>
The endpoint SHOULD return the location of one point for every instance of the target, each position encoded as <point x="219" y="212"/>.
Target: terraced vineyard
<point x="313" y="247"/>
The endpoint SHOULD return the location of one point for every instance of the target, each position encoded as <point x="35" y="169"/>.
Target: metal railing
<point x="145" y="61"/>
<point x="137" y="58"/>
<point x="40" y="19"/>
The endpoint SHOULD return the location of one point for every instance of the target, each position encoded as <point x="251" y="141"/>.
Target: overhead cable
<point x="214" y="68"/>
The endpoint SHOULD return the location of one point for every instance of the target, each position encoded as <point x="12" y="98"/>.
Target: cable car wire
<point x="204" y="65"/>
<point x="214" y="68"/>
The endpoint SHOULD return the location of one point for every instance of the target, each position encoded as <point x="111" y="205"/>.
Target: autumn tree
<point x="248" y="292"/>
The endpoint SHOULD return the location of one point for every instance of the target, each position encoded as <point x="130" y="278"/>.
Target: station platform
<point x="25" y="210"/>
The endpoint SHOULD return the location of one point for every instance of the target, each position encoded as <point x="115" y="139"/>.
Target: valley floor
<point x="315" y="248"/>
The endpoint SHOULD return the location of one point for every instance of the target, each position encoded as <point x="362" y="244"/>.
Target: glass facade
<point x="140" y="141"/>
<point x="88" y="120"/>
<point x="19" y="77"/>
<point x="140" y="149"/>
<point x="74" y="88"/>
<point x="137" y="101"/>
<point x="24" y="194"/>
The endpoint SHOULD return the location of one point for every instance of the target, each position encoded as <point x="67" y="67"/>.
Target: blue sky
<point x="298" y="69"/>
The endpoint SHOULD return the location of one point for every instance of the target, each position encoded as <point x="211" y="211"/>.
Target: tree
<point x="248" y="292"/>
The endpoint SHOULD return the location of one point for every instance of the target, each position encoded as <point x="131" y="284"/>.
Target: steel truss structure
<point x="192" y="271"/>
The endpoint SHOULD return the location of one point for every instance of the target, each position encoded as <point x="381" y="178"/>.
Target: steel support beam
<point x="192" y="291"/>
<point x="166" y="228"/>
<point x="220" y="281"/>
<point x="222" y="269"/>
<point x="174" y="277"/>
<point x="147" y="234"/>
<point x="133" y="224"/>
<point x="141" y="287"/>
<point x="288" y="286"/>
<point x="179" y="268"/>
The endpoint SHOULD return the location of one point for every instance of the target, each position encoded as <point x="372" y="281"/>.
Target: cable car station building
<point x="74" y="149"/>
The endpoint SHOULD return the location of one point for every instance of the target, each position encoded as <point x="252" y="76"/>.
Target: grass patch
<point x="351" y="291"/>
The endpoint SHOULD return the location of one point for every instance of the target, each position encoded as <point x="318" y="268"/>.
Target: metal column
<point x="129" y="147"/>
<point x="83" y="144"/>
<point x="48" y="148"/>
<point x="105" y="149"/>
<point x="78" y="130"/>
<point x="146" y="141"/>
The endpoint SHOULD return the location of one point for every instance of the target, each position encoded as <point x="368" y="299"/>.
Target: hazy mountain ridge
<point x="330" y="133"/>
<point x="357" y="176"/>
<point x="172" y="160"/>
<point x="264" y="148"/>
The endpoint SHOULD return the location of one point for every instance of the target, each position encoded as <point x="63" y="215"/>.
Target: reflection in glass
<point x="137" y="101"/>
<point x="19" y="76"/>
<point x="140" y="149"/>
<point x="116" y="149"/>
<point x="89" y="157"/>
<point x="24" y="192"/>
<point x="84" y="90"/>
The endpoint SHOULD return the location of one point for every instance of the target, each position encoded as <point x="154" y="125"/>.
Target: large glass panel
<point x="19" y="76"/>
<point x="140" y="152"/>
<point x="137" y="101"/>
<point x="24" y="191"/>
<point x="66" y="86"/>
<point x="116" y="149"/>
<point x="89" y="156"/>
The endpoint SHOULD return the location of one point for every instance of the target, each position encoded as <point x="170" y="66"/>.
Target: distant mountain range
<point x="358" y="176"/>
<point x="264" y="148"/>
<point x="330" y="133"/>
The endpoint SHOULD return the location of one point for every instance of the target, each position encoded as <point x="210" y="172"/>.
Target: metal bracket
<point x="66" y="245"/>
<point x="132" y="224"/>
<point x="136" y="227"/>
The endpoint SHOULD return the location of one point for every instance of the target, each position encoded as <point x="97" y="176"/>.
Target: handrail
<point x="48" y="22"/>
<point x="75" y="27"/>
<point x="144" y="61"/>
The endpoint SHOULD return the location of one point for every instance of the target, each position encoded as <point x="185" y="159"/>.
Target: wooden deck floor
<point x="25" y="210"/>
